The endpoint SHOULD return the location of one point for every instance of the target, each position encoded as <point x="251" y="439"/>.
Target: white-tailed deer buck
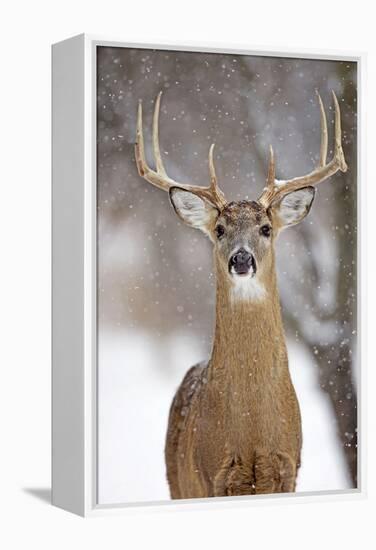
<point x="234" y="425"/>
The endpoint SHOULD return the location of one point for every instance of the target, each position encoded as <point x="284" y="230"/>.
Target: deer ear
<point x="193" y="210"/>
<point x="293" y="208"/>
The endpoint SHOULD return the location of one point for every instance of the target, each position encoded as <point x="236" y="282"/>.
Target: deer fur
<point x="234" y="425"/>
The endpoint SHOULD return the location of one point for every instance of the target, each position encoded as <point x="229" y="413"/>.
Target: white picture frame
<point x="74" y="382"/>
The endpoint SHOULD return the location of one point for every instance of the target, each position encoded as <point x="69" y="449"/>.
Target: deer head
<point x="243" y="233"/>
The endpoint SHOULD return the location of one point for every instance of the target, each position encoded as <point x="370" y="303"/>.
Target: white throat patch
<point x="246" y="288"/>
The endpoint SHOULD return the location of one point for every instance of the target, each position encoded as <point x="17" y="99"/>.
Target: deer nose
<point x="242" y="262"/>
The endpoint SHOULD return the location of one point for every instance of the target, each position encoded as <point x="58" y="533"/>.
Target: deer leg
<point x="219" y="485"/>
<point x="287" y="472"/>
<point x="240" y="480"/>
<point x="269" y="473"/>
<point x="266" y="472"/>
<point x="234" y="478"/>
<point x="274" y="473"/>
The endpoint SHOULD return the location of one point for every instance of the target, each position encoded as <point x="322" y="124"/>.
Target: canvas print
<point x="226" y="275"/>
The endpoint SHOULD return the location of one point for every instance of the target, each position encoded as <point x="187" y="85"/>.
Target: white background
<point x="27" y="30"/>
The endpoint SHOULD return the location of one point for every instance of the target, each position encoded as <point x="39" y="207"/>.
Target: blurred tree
<point x="332" y="347"/>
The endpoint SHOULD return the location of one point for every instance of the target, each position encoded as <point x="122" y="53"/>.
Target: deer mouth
<point x="242" y="264"/>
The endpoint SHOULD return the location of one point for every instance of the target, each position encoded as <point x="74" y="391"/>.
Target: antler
<point x="276" y="189"/>
<point x="159" y="177"/>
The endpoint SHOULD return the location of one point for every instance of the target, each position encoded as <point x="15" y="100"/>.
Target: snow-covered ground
<point x="138" y="376"/>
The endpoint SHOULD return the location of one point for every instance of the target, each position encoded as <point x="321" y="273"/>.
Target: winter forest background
<point x="155" y="278"/>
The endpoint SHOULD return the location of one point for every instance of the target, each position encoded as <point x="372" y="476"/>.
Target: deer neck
<point x="249" y="340"/>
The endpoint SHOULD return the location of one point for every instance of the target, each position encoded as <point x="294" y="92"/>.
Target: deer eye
<point x="265" y="230"/>
<point x="219" y="231"/>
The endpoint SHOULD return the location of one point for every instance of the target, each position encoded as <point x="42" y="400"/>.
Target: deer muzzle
<point x="242" y="263"/>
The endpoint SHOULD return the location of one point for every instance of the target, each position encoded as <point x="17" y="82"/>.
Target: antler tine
<point x="216" y="192"/>
<point x="324" y="132"/>
<point x="279" y="188"/>
<point x="338" y="135"/>
<point x="271" y="168"/>
<point x="159" y="177"/>
<point x="157" y="153"/>
<point x="139" y="147"/>
<point x="268" y="191"/>
<point x="213" y="177"/>
<point x="159" y="180"/>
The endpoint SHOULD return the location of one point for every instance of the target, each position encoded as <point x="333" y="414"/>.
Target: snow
<point x="138" y="376"/>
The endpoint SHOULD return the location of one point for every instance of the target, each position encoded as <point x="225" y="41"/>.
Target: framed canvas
<point x="207" y="281"/>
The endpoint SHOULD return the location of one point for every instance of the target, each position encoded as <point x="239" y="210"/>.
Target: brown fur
<point x="234" y="425"/>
